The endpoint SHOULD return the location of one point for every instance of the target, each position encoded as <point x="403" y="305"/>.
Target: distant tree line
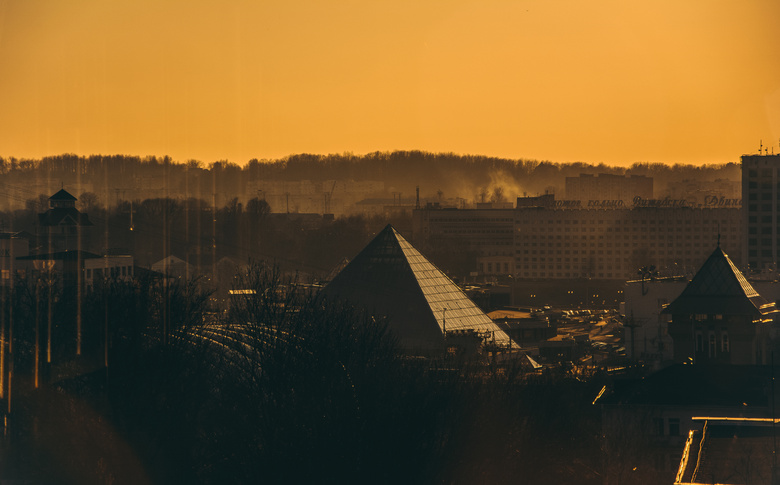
<point x="114" y="177"/>
<point x="197" y="232"/>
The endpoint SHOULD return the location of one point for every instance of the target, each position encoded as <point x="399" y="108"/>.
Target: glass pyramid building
<point x="390" y="277"/>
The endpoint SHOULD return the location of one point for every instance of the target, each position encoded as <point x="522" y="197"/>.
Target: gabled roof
<point x="61" y="256"/>
<point x="62" y="194"/>
<point x="720" y="288"/>
<point x="67" y="216"/>
<point x="389" y="276"/>
<point x="169" y="260"/>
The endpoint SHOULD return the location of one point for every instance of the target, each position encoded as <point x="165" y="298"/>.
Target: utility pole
<point x="775" y="477"/>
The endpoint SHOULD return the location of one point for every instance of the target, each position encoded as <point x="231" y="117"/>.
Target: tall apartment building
<point x="761" y="211"/>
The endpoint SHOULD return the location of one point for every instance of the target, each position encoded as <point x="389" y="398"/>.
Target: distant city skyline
<point x="609" y="82"/>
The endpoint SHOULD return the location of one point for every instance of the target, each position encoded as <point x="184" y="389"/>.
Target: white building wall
<point x="646" y="334"/>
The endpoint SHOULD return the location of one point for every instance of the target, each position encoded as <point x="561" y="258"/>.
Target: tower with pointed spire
<point x="720" y="318"/>
<point x="62" y="226"/>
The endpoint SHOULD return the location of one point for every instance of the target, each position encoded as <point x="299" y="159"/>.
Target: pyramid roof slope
<point x="720" y="288"/>
<point x="389" y="276"/>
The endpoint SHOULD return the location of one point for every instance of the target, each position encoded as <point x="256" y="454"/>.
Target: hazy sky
<point x="688" y="81"/>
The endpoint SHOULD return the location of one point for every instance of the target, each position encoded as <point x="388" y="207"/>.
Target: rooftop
<point x="696" y="385"/>
<point x="720" y="288"/>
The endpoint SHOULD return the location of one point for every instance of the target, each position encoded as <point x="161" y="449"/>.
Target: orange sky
<point x="694" y="81"/>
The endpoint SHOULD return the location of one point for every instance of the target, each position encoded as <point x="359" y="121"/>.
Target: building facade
<point x="605" y="186"/>
<point x="761" y="211"/>
<point x="488" y="232"/>
<point x="544" y="238"/>
<point x="646" y="332"/>
<point x="613" y="241"/>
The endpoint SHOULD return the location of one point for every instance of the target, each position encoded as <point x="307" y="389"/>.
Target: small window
<point x="712" y="345"/>
<point x="658" y="426"/>
<point x="674" y="427"/>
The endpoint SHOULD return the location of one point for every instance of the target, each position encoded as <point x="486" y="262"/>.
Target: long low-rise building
<point x="552" y="239"/>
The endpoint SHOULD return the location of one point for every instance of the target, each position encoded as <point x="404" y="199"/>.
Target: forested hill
<point x="116" y="177"/>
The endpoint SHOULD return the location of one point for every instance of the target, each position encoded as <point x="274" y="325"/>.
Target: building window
<point x="674" y="427"/>
<point x="724" y="342"/>
<point x="658" y="426"/>
<point x="712" y="345"/>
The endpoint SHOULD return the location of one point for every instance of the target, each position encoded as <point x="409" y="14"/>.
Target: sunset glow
<point x="608" y="81"/>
